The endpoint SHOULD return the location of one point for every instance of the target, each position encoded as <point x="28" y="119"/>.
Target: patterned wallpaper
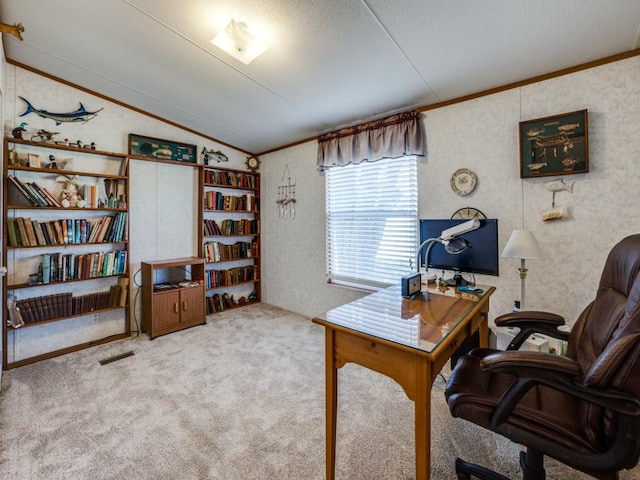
<point x="482" y="134"/>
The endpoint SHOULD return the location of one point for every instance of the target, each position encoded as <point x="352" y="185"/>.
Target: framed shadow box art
<point x="158" y="149"/>
<point x="556" y="145"/>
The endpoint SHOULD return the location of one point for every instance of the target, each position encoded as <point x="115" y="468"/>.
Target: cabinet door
<point x="192" y="303"/>
<point x="166" y="309"/>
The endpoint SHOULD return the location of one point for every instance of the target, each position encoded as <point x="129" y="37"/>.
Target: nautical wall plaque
<point x="556" y="145"/>
<point x="157" y="149"/>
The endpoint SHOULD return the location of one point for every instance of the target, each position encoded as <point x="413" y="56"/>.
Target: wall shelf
<point x="37" y="245"/>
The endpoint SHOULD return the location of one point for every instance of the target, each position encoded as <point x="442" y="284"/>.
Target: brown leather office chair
<point x="583" y="409"/>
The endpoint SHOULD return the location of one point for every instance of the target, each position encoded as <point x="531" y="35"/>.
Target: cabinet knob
<point x="184" y="305"/>
<point x="175" y="307"/>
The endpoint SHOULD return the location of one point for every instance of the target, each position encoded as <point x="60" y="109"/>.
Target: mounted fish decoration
<point x="80" y="115"/>
<point x="559" y="185"/>
<point x="208" y="156"/>
<point x="557" y="213"/>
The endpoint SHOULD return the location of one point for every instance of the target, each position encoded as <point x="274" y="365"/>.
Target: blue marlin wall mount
<point x="80" y="115"/>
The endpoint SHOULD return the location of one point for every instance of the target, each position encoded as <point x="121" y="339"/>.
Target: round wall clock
<point x="253" y="163"/>
<point x="463" y="181"/>
<point x="468" y="213"/>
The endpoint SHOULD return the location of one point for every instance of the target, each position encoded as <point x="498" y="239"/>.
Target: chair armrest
<point x="520" y="363"/>
<point x="530" y="322"/>
<point x="515" y="319"/>
<point x="553" y="371"/>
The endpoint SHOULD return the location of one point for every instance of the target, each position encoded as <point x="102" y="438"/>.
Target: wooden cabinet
<point x="65" y="246"/>
<point x="230" y="242"/>
<point x="172" y="295"/>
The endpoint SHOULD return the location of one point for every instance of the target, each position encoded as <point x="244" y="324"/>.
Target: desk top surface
<point x="422" y="322"/>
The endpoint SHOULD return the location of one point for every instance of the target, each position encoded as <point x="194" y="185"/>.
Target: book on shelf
<point x="12" y="232"/>
<point x="23" y="231"/>
<point x="48" y="200"/>
<point x="124" y="166"/>
<point x="31" y="234"/>
<point x="40" y="201"/>
<point x="37" y="229"/>
<point x="18" y="194"/>
<point x="45" y="233"/>
<point x="54" y="201"/>
<point x="123" y="283"/>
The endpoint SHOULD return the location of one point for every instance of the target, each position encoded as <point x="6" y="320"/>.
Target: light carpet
<point x="240" y="398"/>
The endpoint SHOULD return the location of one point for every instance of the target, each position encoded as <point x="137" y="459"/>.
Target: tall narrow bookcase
<point x="230" y="226"/>
<point x="67" y="264"/>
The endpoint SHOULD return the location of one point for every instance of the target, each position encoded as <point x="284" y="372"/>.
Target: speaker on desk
<point x="469" y="344"/>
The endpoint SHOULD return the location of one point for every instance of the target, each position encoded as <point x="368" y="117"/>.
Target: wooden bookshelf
<point x="64" y="261"/>
<point x="230" y="237"/>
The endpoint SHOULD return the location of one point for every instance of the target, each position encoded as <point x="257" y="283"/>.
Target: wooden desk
<point x="406" y="340"/>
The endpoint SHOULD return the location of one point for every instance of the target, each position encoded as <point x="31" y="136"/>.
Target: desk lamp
<point x="447" y="238"/>
<point x="522" y="244"/>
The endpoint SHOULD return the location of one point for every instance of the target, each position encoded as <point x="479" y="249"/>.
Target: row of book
<point x="38" y="196"/>
<point x="232" y="276"/>
<point x="61" y="305"/>
<point x="232" y="179"/>
<point x="221" y="301"/>
<point x="58" y="267"/>
<point x="34" y="194"/>
<point x="231" y="227"/>
<point x="28" y="232"/>
<point x="217" y="201"/>
<point x="221" y="252"/>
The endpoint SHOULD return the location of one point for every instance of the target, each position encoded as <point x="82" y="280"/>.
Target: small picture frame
<point x="555" y="145"/>
<point x="34" y="160"/>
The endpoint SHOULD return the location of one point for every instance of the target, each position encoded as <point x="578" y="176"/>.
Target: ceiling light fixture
<point x="238" y="42"/>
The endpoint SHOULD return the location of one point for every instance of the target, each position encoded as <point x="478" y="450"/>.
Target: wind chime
<point x="286" y="196"/>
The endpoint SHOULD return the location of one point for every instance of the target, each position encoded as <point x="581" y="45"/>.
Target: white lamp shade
<point x="522" y="244"/>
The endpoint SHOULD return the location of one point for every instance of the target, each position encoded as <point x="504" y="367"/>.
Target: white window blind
<point x="372" y="219"/>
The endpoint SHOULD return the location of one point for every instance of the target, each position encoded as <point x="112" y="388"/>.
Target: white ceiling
<point x="331" y="63"/>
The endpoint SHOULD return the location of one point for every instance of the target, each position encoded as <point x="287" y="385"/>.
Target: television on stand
<point x="480" y="257"/>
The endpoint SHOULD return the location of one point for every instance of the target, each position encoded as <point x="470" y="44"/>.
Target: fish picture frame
<point x="554" y="145"/>
<point x="161" y="150"/>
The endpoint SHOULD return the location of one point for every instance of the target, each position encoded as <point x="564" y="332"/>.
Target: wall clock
<point x="468" y="213"/>
<point x="253" y="163"/>
<point x="463" y="181"/>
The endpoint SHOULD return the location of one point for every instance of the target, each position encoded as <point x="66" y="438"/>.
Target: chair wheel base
<point x="465" y="470"/>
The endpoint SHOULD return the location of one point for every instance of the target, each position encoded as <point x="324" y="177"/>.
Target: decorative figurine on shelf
<point x="57" y="164"/>
<point x="13" y="156"/>
<point x="70" y="196"/>
<point x="44" y="136"/>
<point x="17" y="132"/>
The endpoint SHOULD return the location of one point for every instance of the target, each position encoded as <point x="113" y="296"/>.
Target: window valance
<point x="396" y="136"/>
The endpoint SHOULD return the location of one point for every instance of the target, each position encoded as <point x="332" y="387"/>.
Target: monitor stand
<point x="456" y="280"/>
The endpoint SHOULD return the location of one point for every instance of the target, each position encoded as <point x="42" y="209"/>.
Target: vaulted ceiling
<point x="331" y="63"/>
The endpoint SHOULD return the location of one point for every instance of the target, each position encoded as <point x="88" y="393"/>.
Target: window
<point x="372" y="219"/>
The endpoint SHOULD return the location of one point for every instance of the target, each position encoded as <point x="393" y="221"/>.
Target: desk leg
<point x="484" y="330"/>
<point x="332" y="401"/>
<point x="423" y="418"/>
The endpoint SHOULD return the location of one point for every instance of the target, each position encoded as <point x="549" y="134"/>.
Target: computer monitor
<point x="481" y="256"/>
